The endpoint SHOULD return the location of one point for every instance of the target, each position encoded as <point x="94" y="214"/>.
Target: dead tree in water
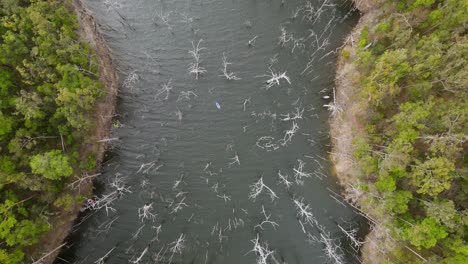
<point x="177" y="246"/>
<point x="299" y="173"/>
<point x="106" y="200"/>
<point x="289" y="134"/>
<point x="145" y="212"/>
<point x="228" y="75"/>
<point x="275" y="78"/>
<point x="257" y="188"/>
<point x="266" y="220"/>
<point x="304" y="212"/>
<point x="195" y="67"/>
<point x="165" y="88"/>
<point x="262" y="252"/>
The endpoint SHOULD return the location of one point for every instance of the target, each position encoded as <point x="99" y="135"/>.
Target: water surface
<point x="180" y="147"/>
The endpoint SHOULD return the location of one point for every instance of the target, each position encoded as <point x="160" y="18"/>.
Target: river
<point x="219" y="162"/>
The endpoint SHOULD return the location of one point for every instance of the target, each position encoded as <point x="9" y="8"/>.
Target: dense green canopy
<point x="48" y="83"/>
<point x="413" y="87"/>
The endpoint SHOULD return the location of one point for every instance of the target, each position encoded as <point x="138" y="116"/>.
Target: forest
<point x="412" y="89"/>
<point x="48" y="88"/>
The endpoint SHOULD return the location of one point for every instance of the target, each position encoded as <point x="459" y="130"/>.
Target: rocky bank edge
<point x="104" y="110"/>
<point x="347" y="125"/>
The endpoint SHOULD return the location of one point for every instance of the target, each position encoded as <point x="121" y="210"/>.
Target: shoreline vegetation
<point x="398" y="134"/>
<point x="58" y="89"/>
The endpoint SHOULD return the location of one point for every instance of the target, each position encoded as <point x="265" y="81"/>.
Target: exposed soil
<point x="62" y="224"/>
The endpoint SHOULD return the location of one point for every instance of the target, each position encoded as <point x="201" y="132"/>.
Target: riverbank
<point x="104" y="111"/>
<point x="398" y="141"/>
<point x="348" y="124"/>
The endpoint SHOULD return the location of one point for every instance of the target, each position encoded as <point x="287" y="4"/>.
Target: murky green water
<point x="177" y="146"/>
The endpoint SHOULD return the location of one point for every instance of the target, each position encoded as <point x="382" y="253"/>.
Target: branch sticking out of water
<point x="275" y="78"/>
<point x="228" y="75"/>
<point x="257" y="188"/>
<point x="145" y="212"/>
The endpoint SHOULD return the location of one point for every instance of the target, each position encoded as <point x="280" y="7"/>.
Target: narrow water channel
<point x="213" y="170"/>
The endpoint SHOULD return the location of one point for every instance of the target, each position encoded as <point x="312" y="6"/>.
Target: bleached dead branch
<point x="157" y="232"/>
<point x="177" y="246"/>
<point x="333" y="107"/>
<point x="332" y="248"/>
<point x="284" y="180"/>
<point x="195" y="67"/>
<point x="293" y="116"/>
<point x="224" y="197"/>
<point x="266" y="220"/>
<point x="246" y="101"/>
<point x="261" y="251"/>
<point x="145" y="212"/>
<point x="179" y="206"/>
<point x="84" y="178"/>
<point x="299" y="173"/>
<point x="143" y="253"/>
<point x="304" y="213"/>
<point x="145" y="167"/>
<point x="132" y="78"/>
<point x="185" y="96"/>
<point x="165" y="88"/>
<point x="235" y="160"/>
<point x="163" y="17"/>
<point x="257" y="188"/>
<point x="267" y="143"/>
<point x="275" y="78"/>
<point x="228" y="75"/>
<point x="40" y="261"/>
<point x="102" y="259"/>
<point x="352" y="236"/>
<point x="288" y="135"/>
<point x="251" y="42"/>
<point x="284" y="38"/>
<point x="137" y="233"/>
<point x="105" y="201"/>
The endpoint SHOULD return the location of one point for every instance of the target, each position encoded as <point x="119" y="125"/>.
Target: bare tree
<point x="228" y="75"/>
<point x="333" y="107"/>
<point x="84" y="178"/>
<point x="145" y="212"/>
<point x="284" y="38"/>
<point x="266" y="220"/>
<point x="131" y="79"/>
<point x="177" y="246"/>
<point x="165" y="88"/>
<point x="288" y="135"/>
<point x="332" y="248"/>
<point x="304" y="213"/>
<point x="261" y="251"/>
<point x="352" y="236"/>
<point x="275" y="78"/>
<point x="284" y="180"/>
<point x="299" y="173"/>
<point x="257" y="188"/>
<point x="105" y="201"/>
<point x="195" y="67"/>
